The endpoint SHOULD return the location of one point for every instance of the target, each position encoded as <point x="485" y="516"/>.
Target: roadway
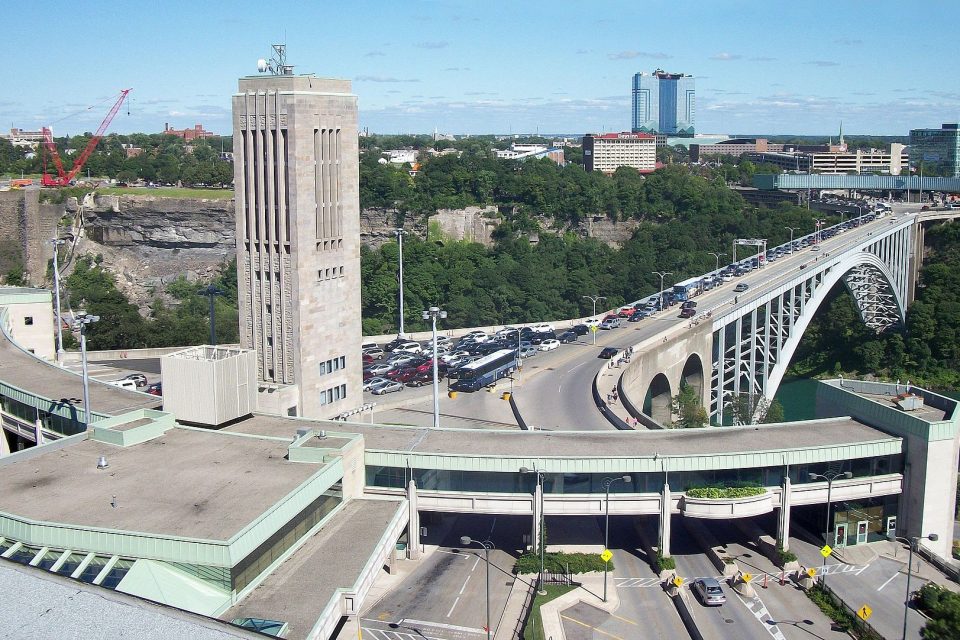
<point x="444" y="597"/>
<point x="564" y="400"/>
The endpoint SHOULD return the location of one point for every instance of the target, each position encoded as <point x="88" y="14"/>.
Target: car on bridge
<point x="610" y="323"/>
<point x="581" y="329"/>
<point x="608" y="352"/>
<point x="740" y="288"/>
<point x="567" y="336"/>
<point x="528" y="352"/>
<point x="550" y="344"/>
<point x="688" y="312"/>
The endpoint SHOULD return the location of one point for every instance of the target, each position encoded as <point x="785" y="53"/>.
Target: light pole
<point x="717" y="256"/>
<point x="399" y="233"/>
<point x="212" y="292"/>
<point x="540" y="542"/>
<point x="819" y="222"/>
<point x="829" y="477"/>
<point x="791" y="229"/>
<point x="912" y="542"/>
<point x="56" y="287"/>
<point x="487" y="546"/>
<point x="606" y="525"/>
<point x="662" y="274"/>
<point x="81" y="322"/>
<point x="432" y="314"/>
<point x="594" y="299"/>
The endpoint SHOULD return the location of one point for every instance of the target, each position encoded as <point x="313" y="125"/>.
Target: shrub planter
<point x="723" y="508"/>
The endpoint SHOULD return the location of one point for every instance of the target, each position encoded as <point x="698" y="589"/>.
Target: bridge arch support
<point x="753" y="345"/>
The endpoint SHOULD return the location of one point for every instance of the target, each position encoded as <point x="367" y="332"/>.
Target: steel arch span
<point x="753" y="344"/>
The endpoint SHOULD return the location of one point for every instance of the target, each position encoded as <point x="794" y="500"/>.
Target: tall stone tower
<point x="296" y="172"/>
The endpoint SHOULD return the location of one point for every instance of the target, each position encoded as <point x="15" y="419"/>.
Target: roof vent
<point x="322" y="434"/>
<point x="102" y="463"/>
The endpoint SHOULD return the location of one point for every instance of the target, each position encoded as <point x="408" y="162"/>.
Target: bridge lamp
<point x="829" y="477"/>
<point x="432" y="314"/>
<point x="487" y="545"/>
<point x="541" y="542"/>
<point x="81" y="322"/>
<point x="912" y="543"/>
<point x="606" y="527"/>
<point x="57" y="243"/>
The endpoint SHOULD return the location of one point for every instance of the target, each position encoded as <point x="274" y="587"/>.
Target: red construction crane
<point x="64" y="178"/>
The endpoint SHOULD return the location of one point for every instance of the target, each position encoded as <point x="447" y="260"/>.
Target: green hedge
<point x="665" y="563"/>
<point x="785" y="556"/>
<point x="559" y="562"/>
<point x="717" y="493"/>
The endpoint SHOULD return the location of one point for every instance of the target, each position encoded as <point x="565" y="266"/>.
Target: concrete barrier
<point x="682" y="601"/>
<point x="128" y="354"/>
<point x="489" y="329"/>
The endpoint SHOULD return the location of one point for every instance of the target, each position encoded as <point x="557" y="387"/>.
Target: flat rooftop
<point x="35" y="376"/>
<point x="185" y="483"/>
<point x="926" y="412"/>
<point x="299" y="589"/>
<point x="45" y="605"/>
<point x="587" y="444"/>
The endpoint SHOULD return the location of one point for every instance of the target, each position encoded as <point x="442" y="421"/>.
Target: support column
<point x="413" y="527"/>
<point x="783" y="522"/>
<point x="535" y="532"/>
<point x="663" y="543"/>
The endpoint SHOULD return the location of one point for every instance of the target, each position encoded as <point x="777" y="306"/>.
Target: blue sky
<point x="494" y="66"/>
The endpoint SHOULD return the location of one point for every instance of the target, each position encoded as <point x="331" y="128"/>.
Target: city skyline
<point x="467" y="69"/>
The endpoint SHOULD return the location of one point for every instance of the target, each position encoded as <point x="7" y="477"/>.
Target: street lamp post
<point x="595" y="299"/>
<point x="399" y="233"/>
<point x="432" y="314"/>
<point x="212" y="292"/>
<point x="717" y="256"/>
<point x="791" y="229"/>
<point x="606" y="525"/>
<point x="540" y="542"/>
<point x="912" y="542"/>
<point x="487" y="546"/>
<point x="819" y="222"/>
<point x="662" y="274"/>
<point x="57" y="242"/>
<point x="829" y="477"/>
<point x="81" y="322"/>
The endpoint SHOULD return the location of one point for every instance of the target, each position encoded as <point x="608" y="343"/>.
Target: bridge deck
<point x="586" y="444"/>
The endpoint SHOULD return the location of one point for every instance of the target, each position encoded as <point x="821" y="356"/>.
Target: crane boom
<point x="64" y="178"/>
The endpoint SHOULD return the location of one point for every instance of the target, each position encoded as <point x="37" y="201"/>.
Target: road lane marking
<point x="453" y="606"/>
<point x="441" y="625"/>
<point x="625" y="619"/>
<point x="464" y="585"/>
<point x="474" y="565"/>
<point x="889" y="580"/>
<point x="454" y="553"/>
<point x="584" y="624"/>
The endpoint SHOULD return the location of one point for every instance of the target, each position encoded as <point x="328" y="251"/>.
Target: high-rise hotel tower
<point x="298" y="240"/>
<point x="664" y="103"/>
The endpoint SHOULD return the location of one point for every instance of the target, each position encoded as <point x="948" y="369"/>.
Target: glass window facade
<point x="263" y="556"/>
<point x="576" y="483"/>
<point x="937" y="149"/>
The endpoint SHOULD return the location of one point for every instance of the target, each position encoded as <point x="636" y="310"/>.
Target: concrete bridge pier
<point x="783" y="519"/>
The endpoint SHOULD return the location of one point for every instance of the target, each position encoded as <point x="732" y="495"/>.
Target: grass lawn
<point x="169" y="192"/>
<point x="534" y="628"/>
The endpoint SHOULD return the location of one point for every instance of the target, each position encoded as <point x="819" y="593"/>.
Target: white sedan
<point x="543" y="327"/>
<point x="549" y="345"/>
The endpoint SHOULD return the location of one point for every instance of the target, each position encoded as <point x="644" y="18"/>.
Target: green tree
<point x="688" y="408"/>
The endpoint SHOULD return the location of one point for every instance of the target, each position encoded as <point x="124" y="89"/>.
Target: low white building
<point x="607" y="152"/>
<point x="28" y="319"/>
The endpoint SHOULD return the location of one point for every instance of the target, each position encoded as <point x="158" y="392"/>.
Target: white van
<point x="124" y="384"/>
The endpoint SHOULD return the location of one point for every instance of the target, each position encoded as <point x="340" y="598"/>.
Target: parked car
<point x="608" y="352"/>
<point x="124" y="384"/>
<point x="740" y="288"/>
<point x="409" y="347"/>
<point x="138" y="378"/>
<point x="567" y="336"/>
<point x="393" y="344"/>
<point x="709" y="591"/>
<point x="543" y="327"/>
<point x="549" y="345"/>
<point x="402" y="359"/>
<point x="389" y="387"/>
<point x="374" y="382"/>
<point x="528" y="352"/>
<point x="156" y="389"/>
<point x="581" y="329"/>
<point x="543" y="336"/>
<point x="380" y="369"/>
<point x="374" y="352"/>
<point x="369" y="345"/>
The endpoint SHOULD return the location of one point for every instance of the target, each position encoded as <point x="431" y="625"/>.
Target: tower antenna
<point x="277" y="64"/>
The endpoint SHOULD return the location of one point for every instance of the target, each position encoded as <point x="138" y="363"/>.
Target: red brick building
<point x="197" y="133"/>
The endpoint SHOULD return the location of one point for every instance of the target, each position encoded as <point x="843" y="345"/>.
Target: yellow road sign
<point x="811" y="572"/>
<point x="826" y="550"/>
<point x="864" y="612"/>
<point x="594" y="328"/>
<point x="747" y="577"/>
<point x="606" y="555"/>
<point x="678" y="581"/>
